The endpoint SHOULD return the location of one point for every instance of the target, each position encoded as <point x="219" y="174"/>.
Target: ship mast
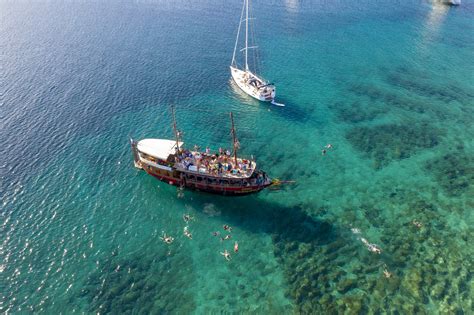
<point x="234" y="63"/>
<point x="246" y="34"/>
<point x="175" y="128"/>
<point x="234" y="139"/>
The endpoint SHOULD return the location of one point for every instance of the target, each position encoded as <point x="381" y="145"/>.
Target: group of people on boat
<point x="217" y="164"/>
<point x="255" y="82"/>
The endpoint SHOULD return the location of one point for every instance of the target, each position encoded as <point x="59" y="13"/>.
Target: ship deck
<point x="221" y="166"/>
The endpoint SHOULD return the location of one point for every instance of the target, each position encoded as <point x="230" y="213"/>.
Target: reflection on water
<point x="253" y="105"/>
<point x="292" y="6"/>
<point x="434" y="21"/>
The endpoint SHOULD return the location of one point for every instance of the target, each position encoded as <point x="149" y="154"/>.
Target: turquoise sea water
<point x="390" y="84"/>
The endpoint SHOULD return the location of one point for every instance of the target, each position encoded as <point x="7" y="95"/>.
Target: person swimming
<point x="328" y="146"/>
<point x="323" y="152"/>
<point x="374" y="248"/>
<point x="386" y="273"/>
<point x="187" y="218"/>
<point x="371" y="247"/>
<point x="167" y="238"/>
<point x="216" y="233"/>
<point x="187" y="233"/>
<point x="355" y="230"/>
<point x="363" y="240"/>
<point x="236" y="247"/>
<point x="416" y="223"/>
<point x="226" y="255"/>
<point x="227" y="228"/>
<point x="227" y="237"/>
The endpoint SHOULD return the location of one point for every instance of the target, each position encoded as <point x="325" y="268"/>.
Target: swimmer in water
<point x="416" y="223"/>
<point x="187" y="218"/>
<point x="323" y="152"/>
<point x="386" y="273"/>
<point x="227" y="228"/>
<point x="374" y="248"/>
<point x="355" y="230"/>
<point x="364" y="241"/>
<point x="187" y="233"/>
<point x="226" y="255"/>
<point x="227" y="237"/>
<point x="166" y="238"/>
<point x="236" y="247"/>
<point x="216" y="233"/>
<point x="329" y="146"/>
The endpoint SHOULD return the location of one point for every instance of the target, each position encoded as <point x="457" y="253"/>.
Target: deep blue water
<point x="390" y="84"/>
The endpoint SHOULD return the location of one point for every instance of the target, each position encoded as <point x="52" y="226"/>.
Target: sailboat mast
<point x="233" y="63"/>
<point x="175" y="128"/>
<point x="246" y="34"/>
<point x="234" y="139"/>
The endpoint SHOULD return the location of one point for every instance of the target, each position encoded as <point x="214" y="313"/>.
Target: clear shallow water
<point x="388" y="84"/>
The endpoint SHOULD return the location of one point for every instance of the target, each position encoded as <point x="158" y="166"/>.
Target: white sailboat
<point x="249" y="81"/>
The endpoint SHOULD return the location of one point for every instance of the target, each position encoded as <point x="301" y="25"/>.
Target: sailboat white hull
<point x="253" y="85"/>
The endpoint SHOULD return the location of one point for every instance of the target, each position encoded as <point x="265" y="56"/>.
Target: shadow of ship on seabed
<point x="290" y="224"/>
<point x="142" y="282"/>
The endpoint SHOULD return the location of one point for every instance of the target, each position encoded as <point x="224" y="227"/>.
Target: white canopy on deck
<point x="158" y="148"/>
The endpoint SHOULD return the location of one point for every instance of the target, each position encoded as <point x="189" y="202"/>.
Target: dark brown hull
<point x="173" y="178"/>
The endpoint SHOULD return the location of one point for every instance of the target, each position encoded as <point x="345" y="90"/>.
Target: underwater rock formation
<point x="356" y="112"/>
<point x="385" y="143"/>
<point x="453" y="171"/>
<point x="136" y="284"/>
<point x="418" y="83"/>
<point x="427" y="270"/>
<point x="389" y="98"/>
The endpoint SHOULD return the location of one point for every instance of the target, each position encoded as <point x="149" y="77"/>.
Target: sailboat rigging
<point x="249" y="81"/>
